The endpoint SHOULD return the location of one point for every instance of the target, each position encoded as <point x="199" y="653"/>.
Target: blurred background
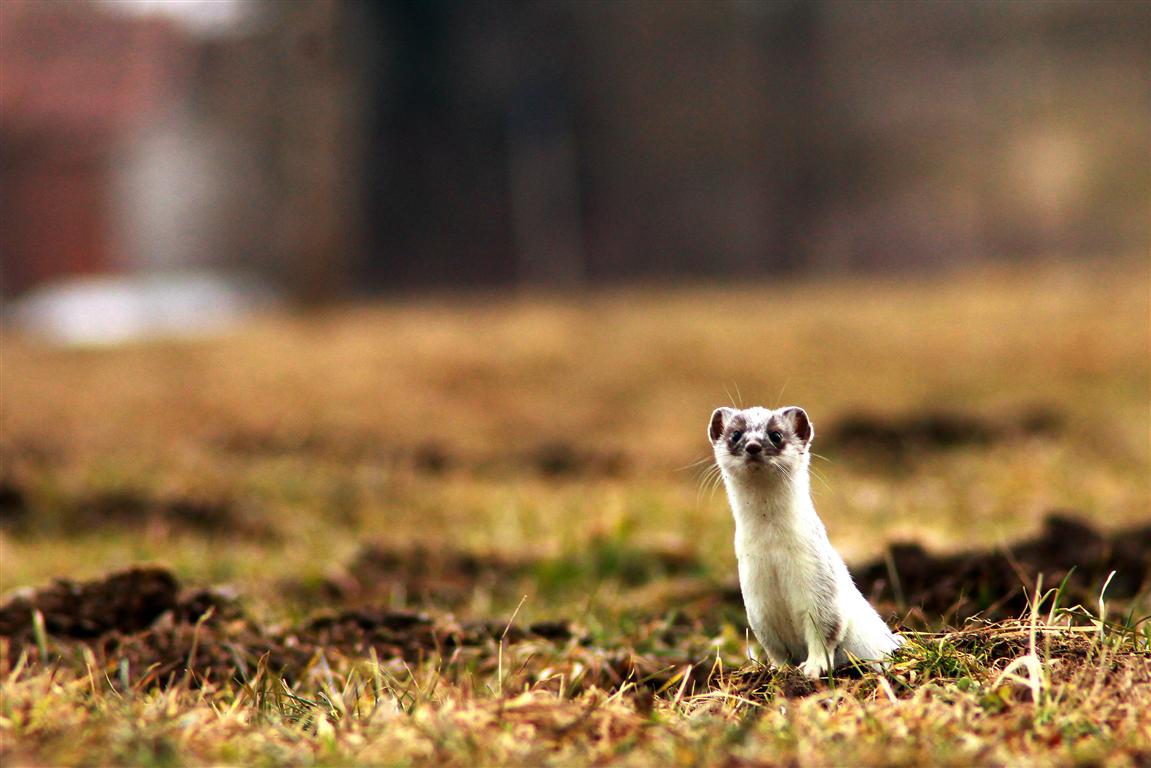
<point x="331" y="148"/>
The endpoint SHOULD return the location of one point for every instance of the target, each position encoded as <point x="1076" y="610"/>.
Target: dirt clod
<point x="419" y="576"/>
<point x="759" y="682"/>
<point x="141" y="615"/>
<point x="144" y="511"/>
<point x="565" y="459"/>
<point x="135" y="510"/>
<point x="900" y="438"/>
<point x="13" y="503"/>
<point x="422" y="575"/>
<point x="994" y="583"/>
<point x="127" y="601"/>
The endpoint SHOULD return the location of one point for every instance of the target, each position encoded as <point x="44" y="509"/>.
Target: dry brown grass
<point x="561" y="427"/>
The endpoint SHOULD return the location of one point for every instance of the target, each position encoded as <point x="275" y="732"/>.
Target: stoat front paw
<point x="814" y="668"/>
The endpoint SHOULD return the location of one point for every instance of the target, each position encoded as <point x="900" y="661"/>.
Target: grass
<point x="1016" y="691"/>
<point x="551" y="440"/>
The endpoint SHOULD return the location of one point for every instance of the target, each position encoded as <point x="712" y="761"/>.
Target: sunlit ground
<point x="502" y="423"/>
<point x="571" y="430"/>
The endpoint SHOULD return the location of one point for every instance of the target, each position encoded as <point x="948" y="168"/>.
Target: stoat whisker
<point x="819" y="476"/>
<point x="710" y="480"/>
<point x="706" y="461"/>
<point x="779" y="397"/>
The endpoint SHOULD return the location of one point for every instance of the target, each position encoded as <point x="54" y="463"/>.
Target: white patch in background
<point x="206" y="18"/>
<point x="104" y="311"/>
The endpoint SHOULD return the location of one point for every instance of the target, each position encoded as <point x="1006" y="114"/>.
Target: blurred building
<point x="74" y="85"/>
<point x="336" y="146"/>
<point x="146" y="142"/>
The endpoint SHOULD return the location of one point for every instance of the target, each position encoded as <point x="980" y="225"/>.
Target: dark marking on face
<point x="775" y="437"/>
<point x="783" y="436"/>
<point x="736" y="429"/>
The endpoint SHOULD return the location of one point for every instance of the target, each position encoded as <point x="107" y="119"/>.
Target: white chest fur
<point x="785" y="580"/>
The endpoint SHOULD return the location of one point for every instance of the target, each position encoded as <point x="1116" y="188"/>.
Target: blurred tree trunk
<point x="544" y="192"/>
<point x="318" y="145"/>
<point x="803" y="123"/>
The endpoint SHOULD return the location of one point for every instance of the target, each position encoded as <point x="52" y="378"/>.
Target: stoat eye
<point x="775" y="438"/>
<point x="736" y="435"/>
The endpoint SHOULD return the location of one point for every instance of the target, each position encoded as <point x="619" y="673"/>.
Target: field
<point x="479" y="529"/>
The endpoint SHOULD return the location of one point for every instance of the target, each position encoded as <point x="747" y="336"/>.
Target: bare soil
<point x="163" y="632"/>
<point x="994" y="584"/>
<point x="898" y="439"/>
<point x="129" y="509"/>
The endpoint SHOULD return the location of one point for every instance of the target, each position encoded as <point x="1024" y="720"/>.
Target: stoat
<point x="800" y="600"/>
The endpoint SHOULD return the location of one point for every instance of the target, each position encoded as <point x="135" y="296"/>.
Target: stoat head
<point x="759" y="443"/>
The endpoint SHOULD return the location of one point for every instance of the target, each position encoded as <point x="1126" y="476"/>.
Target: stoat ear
<point x="719" y="418"/>
<point x="800" y="424"/>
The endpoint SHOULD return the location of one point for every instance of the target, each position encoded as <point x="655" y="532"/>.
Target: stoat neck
<point x="783" y="501"/>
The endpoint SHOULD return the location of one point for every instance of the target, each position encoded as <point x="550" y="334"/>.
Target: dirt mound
<point x="994" y="584"/>
<point x="901" y="438"/>
<point x="759" y="682"/>
<point x="13" y="503"/>
<point x="431" y="576"/>
<point x="569" y="459"/>
<point x="121" y="603"/>
<point x="207" y="516"/>
<point x="126" y="601"/>
<point x="133" y="509"/>
<point x="420" y="575"/>
<point x="173" y="648"/>
<point x="141" y="616"/>
<point x="408" y="635"/>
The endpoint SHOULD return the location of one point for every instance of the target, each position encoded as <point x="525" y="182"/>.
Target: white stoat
<point x="800" y="600"/>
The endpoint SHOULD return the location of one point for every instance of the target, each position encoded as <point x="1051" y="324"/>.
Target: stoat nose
<point x="753" y="448"/>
